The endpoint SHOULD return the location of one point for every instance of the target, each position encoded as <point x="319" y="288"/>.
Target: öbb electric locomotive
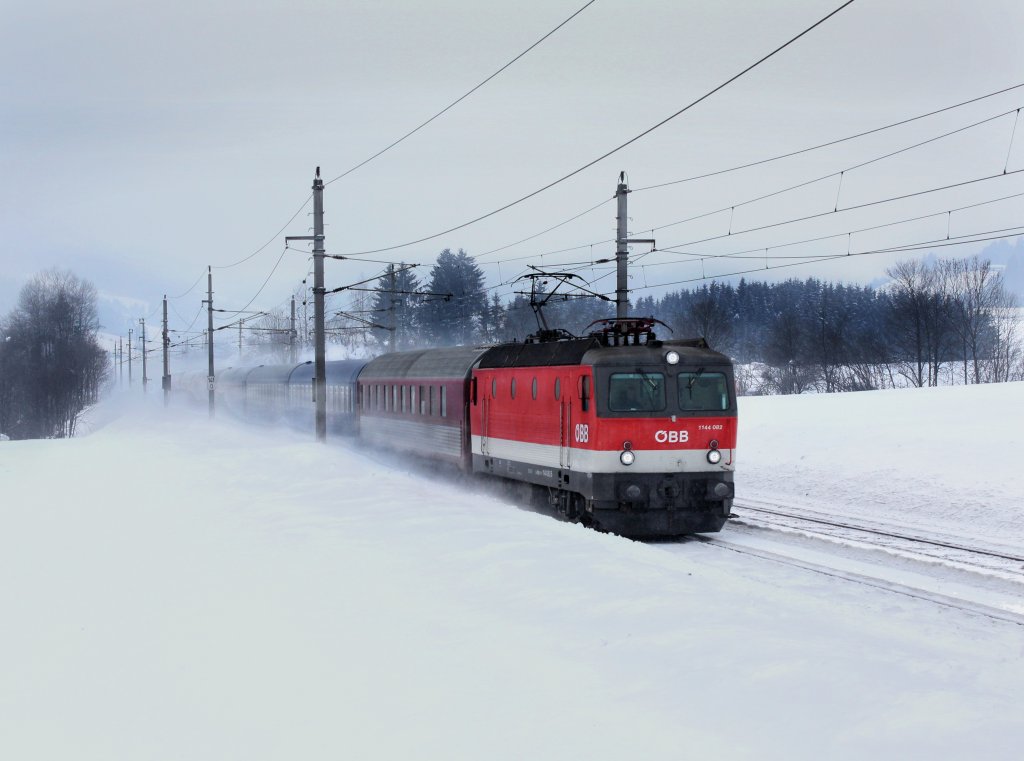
<point x="617" y="430"/>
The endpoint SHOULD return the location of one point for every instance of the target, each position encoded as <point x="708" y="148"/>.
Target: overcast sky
<point x="141" y="142"/>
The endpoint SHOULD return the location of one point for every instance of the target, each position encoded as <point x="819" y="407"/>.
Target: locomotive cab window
<point x="706" y="392"/>
<point x="636" y="392"/>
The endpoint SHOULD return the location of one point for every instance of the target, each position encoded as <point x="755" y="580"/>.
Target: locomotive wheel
<point x="569" y="504"/>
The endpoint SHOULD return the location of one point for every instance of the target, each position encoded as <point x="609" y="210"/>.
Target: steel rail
<point x="879" y="532"/>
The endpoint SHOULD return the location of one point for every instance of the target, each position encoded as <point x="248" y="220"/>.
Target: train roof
<point x="692" y="352"/>
<point x="339" y="371"/>
<point x="454" y="362"/>
<point x="546" y="354"/>
<point x="593" y="351"/>
<point x="233" y="375"/>
<point x="269" y="374"/>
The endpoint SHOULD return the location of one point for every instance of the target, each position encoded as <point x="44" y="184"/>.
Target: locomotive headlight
<point x="626" y="457"/>
<point x="672" y="357"/>
<point x="714" y="456"/>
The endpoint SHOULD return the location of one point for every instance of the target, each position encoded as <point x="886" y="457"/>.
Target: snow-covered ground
<point x="176" y="589"/>
<point x="947" y="460"/>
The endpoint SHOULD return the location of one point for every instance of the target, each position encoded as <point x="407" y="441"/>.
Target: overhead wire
<point x="461" y="97"/>
<point x="830" y="142"/>
<point x="761" y="162"/>
<point x="840" y="173"/>
<point x="846" y="233"/>
<point x="831" y="174"/>
<point x="392" y="145"/>
<point x="832" y="257"/>
<point x="632" y="140"/>
<point x="844" y="209"/>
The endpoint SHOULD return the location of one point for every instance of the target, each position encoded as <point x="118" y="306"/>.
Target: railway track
<point x="958" y="553"/>
<point x="1008" y="610"/>
<point x="947" y="571"/>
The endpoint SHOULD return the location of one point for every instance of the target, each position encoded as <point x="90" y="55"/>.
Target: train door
<point x="565" y="430"/>
<point x="485" y="419"/>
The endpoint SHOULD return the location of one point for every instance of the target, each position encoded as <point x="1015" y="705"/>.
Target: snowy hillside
<point x="177" y="589"/>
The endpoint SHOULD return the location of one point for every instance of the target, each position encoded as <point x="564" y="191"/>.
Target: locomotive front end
<point x="661" y="439"/>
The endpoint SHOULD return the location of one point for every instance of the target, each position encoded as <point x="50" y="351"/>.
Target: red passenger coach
<point x="633" y="437"/>
<point x="416" y="402"/>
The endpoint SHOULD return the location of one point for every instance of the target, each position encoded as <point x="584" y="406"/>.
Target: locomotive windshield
<point x="706" y="392"/>
<point x="653" y="392"/>
<point x="636" y="392"/>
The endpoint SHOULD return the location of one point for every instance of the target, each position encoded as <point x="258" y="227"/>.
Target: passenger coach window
<point x="636" y="392"/>
<point x="444" y="401"/>
<point x="707" y="392"/>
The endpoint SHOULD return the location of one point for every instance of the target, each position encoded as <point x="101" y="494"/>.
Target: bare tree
<point x="272" y="333"/>
<point x="53" y="366"/>
<point x="918" y="320"/>
<point x="976" y="293"/>
<point x="1006" y="361"/>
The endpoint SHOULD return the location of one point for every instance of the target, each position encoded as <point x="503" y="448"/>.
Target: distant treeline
<point x="939" y="322"/>
<point x="948" y="321"/>
<point x="51" y="366"/>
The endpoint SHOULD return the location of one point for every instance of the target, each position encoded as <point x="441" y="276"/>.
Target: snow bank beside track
<point x="947" y="460"/>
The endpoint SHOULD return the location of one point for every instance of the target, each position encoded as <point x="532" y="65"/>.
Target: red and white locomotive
<point x="617" y="430"/>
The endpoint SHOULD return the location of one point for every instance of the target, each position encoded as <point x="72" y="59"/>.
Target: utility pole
<point x="393" y="322"/>
<point x="318" y="307"/>
<point x="165" y="381"/>
<point x="240" y="321"/>
<point x="622" y="250"/>
<point x="145" y="380"/>
<point x="129" y="357"/>
<point x="210" y="378"/>
<point x="320" y="348"/>
<point x="120" y="361"/>
<point x="291" y="333"/>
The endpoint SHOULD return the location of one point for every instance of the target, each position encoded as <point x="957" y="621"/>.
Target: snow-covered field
<point x="176" y="589"/>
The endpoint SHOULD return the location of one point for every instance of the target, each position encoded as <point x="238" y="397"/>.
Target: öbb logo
<point x="672" y="437"/>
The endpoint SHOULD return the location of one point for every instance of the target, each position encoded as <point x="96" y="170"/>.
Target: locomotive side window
<point x="707" y="392"/>
<point x="533" y="388"/>
<point x="494" y="388"/>
<point x="512" y="389"/>
<point x="558" y="389"/>
<point x="636" y="392"/>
